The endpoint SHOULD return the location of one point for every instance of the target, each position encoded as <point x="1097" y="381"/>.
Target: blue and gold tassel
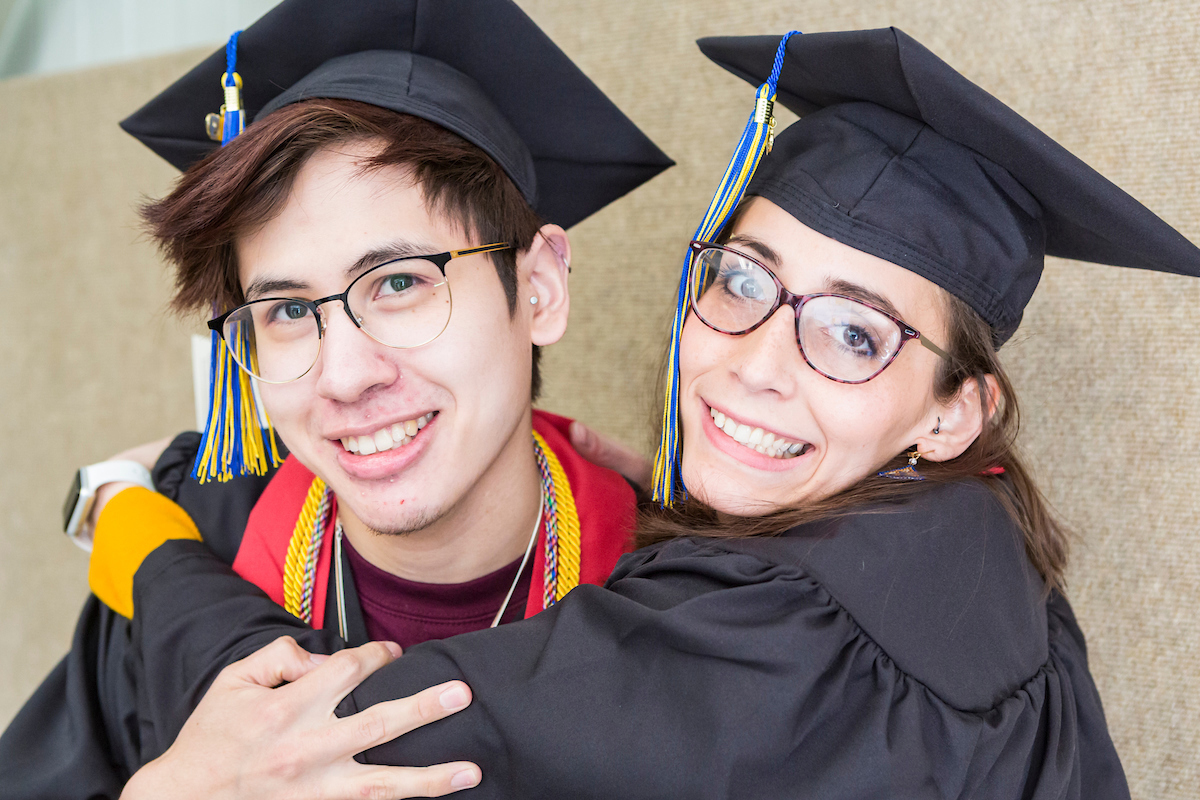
<point x="237" y="440"/>
<point x="756" y="141"/>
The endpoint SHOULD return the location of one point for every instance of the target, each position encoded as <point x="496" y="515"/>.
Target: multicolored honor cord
<point x="756" y="141"/>
<point x="237" y="440"/>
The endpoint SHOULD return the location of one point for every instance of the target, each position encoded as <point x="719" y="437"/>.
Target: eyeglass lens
<point x="401" y="304"/>
<point x="841" y="338"/>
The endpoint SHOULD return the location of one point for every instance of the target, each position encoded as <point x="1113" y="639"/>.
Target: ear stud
<point x="533" y="300"/>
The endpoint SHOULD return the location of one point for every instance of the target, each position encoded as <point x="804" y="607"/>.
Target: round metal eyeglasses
<point x="402" y="303"/>
<point x="844" y="339"/>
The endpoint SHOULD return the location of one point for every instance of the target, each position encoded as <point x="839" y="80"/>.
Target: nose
<point x="768" y="359"/>
<point x="350" y="364"/>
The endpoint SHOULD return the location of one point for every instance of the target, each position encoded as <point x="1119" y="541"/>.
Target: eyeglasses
<point x="402" y="303"/>
<point x="844" y="339"/>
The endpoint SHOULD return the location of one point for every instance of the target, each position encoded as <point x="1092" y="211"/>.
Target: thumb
<point x="282" y="661"/>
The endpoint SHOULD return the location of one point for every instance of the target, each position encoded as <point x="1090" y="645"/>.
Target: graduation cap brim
<point x="1084" y="215"/>
<point x="481" y="68"/>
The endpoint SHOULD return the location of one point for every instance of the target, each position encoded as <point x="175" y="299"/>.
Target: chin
<point x="389" y="515"/>
<point x="729" y="493"/>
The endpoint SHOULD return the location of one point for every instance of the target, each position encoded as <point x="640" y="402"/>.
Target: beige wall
<point x="1106" y="362"/>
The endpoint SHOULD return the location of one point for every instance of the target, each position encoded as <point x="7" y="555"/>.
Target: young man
<point x="385" y="247"/>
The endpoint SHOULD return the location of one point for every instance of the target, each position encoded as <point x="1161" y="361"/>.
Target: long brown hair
<point x="973" y="357"/>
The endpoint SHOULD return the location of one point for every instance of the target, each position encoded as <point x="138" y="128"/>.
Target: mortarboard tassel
<point x="233" y="115"/>
<point x="756" y="141"/>
<point x="236" y="440"/>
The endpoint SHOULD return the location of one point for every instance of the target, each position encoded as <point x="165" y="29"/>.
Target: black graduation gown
<point x="904" y="653"/>
<point x="78" y="734"/>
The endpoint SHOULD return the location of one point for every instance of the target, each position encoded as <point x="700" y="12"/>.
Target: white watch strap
<point x="104" y="472"/>
<point x="92" y="478"/>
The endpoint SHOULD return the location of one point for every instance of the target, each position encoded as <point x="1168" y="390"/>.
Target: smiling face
<point x="402" y="436"/>
<point x="737" y="391"/>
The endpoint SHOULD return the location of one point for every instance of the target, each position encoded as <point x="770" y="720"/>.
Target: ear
<point x="543" y="269"/>
<point x="959" y="422"/>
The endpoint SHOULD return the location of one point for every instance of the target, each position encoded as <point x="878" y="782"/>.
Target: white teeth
<point x="388" y="438"/>
<point x="757" y="439"/>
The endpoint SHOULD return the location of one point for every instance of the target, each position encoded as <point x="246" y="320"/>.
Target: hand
<point x="605" y="452"/>
<point x="248" y="739"/>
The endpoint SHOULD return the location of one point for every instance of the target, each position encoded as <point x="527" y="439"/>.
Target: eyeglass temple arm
<point x="931" y="347"/>
<point x="487" y="248"/>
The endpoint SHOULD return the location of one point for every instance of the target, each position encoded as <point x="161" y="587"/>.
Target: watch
<point x="83" y="494"/>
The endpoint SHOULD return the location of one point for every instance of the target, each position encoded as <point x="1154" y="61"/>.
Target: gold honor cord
<point x="562" y="527"/>
<point x="300" y="565"/>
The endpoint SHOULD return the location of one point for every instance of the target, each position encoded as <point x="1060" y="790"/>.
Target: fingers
<point x="606" y="452"/>
<point x="385" y="721"/>
<point x="392" y="783"/>
<point x="345" y="670"/>
<point x="282" y="661"/>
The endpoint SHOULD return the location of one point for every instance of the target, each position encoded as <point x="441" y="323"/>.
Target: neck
<point x="486" y="529"/>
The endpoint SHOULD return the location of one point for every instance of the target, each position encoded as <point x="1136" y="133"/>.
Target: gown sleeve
<point x="79" y="734"/>
<point x="699" y="672"/>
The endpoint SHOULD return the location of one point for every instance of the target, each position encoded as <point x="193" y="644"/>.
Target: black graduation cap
<point x="480" y="68"/>
<point x="899" y="156"/>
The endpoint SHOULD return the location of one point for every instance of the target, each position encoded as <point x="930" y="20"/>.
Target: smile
<point x="387" y="438"/>
<point x="756" y="439"/>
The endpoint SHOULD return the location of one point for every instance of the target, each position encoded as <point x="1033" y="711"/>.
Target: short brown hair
<point x="242" y="186"/>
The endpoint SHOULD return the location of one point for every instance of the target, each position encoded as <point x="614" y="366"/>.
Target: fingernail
<point x="318" y="658"/>
<point x="394" y="649"/>
<point x="464" y="779"/>
<point x="453" y="698"/>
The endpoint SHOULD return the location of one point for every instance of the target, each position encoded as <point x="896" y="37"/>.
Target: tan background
<point x="1107" y="362"/>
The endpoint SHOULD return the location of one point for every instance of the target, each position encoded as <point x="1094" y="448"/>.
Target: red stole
<point x="604" y="501"/>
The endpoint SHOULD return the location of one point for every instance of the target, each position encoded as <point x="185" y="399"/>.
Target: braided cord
<point x="562" y="549"/>
<point x="300" y="566"/>
<point x="562" y="526"/>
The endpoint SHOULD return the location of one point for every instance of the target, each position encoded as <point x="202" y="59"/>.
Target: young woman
<point x="860" y="594"/>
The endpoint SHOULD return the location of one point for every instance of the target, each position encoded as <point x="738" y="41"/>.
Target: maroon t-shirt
<point x="407" y="612"/>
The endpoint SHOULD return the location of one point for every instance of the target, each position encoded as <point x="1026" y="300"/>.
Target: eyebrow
<point x="851" y="289"/>
<point x="400" y="248"/>
<point x="761" y="248"/>
<point x="267" y="286"/>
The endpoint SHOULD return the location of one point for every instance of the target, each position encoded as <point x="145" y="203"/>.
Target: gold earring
<point x="908" y="472"/>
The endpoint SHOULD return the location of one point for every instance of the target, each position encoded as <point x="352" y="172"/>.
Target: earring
<point x="533" y="300"/>
<point x="938" y="429"/>
<point x="905" y="473"/>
